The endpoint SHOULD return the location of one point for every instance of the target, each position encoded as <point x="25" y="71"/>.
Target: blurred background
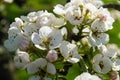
<point x="9" y="9"/>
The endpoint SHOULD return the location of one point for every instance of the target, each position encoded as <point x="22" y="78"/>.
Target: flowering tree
<point x="68" y="45"/>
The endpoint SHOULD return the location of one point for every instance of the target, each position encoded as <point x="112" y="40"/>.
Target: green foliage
<point x="73" y="72"/>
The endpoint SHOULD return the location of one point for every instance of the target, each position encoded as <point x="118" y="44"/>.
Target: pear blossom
<point x="69" y="52"/>
<point x="21" y="59"/>
<point x="98" y="39"/>
<point x="15" y="36"/>
<point x="48" y="35"/>
<point x="40" y="63"/>
<point x="97" y="3"/>
<point x="74" y="15"/>
<point x="116" y="65"/>
<point x="29" y="29"/>
<point x="31" y="17"/>
<point x="102" y="64"/>
<point x="87" y="76"/>
<point x="49" y="19"/>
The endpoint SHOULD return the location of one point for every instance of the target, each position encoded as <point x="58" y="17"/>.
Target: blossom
<point x="69" y="52"/>
<point x="102" y="64"/>
<point x="49" y="19"/>
<point x="40" y="63"/>
<point x="87" y="76"/>
<point x="48" y="35"/>
<point x="116" y="65"/>
<point x="15" y="36"/>
<point x="21" y="59"/>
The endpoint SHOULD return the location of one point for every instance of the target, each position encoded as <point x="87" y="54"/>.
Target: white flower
<point x="49" y="19"/>
<point x="29" y="29"/>
<point x="40" y="63"/>
<point x="18" y="23"/>
<point x="97" y="3"/>
<point x="108" y="52"/>
<point x="106" y="18"/>
<point x="98" y="39"/>
<point x="59" y="9"/>
<point x="52" y="56"/>
<point x="14" y="38"/>
<point x="34" y="66"/>
<point x="77" y="2"/>
<point x="21" y="59"/>
<point x="116" y="65"/>
<point x="69" y="52"/>
<point x="99" y="26"/>
<point x="87" y="76"/>
<point x="102" y="64"/>
<point x="31" y="17"/>
<point x="91" y="11"/>
<point x="36" y="77"/>
<point x="73" y="15"/>
<point x="48" y="35"/>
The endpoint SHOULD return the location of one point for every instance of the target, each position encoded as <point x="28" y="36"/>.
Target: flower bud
<point x="52" y="56"/>
<point x="24" y="44"/>
<point x="21" y="59"/>
<point x="114" y="75"/>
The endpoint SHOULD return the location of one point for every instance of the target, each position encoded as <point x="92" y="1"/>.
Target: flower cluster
<point x="46" y="44"/>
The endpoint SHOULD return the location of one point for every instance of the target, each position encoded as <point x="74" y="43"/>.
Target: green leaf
<point x="73" y="72"/>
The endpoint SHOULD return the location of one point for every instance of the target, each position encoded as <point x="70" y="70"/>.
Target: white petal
<point x="51" y="68"/>
<point x="32" y="68"/>
<point x="19" y="21"/>
<point x="83" y="76"/>
<point x="99" y="26"/>
<point x="30" y="28"/>
<point x="13" y="32"/>
<point x="73" y="60"/>
<point x="64" y="50"/>
<point x="56" y="40"/>
<point x="116" y="65"/>
<point x="64" y="31"/>
<point x="41" y="62"/>
<point x="103" y="38"/>
<point x="40" y="47"/>
<point x="58" y="22"/>
<point x="45" y="31"/>
<point x="36" y="38"/>
<point x="59" y="9"/>
<point x="107" y="65"/>
<point x="36" y="77"/>
<point x="10" y="45"/>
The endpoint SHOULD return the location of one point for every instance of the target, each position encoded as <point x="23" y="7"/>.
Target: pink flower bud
<point x="52" y="56"/>
<point x="24" y="44"/>
<point x="114" y="75"/>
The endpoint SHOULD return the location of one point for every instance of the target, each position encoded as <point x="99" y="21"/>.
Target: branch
<point x="114" y="6"/>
